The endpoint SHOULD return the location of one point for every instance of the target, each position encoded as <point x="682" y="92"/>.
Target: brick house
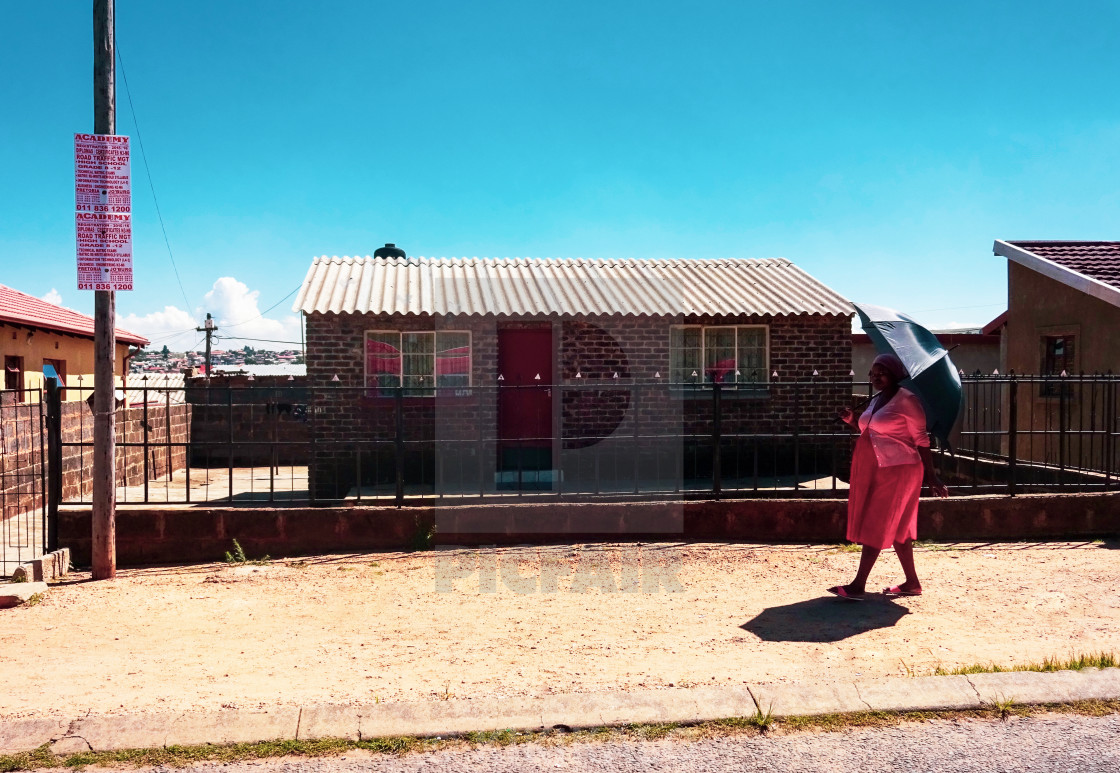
<point x="1063" y="306"/>
<point x="1063" y="312"/>
<point x="34" y="333"/>
<point x="546" y="373"/>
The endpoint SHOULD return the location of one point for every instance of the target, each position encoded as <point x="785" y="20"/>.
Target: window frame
<point x="374" y="390"/>
<point x="20" y="372"/>
<point x="762" y="384"/>
<point x="60" y="368"/>
<point x="1049" y="389"/>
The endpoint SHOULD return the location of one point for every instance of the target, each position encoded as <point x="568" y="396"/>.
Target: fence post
<point x="54" y="460"/>
<point x="144" y="425"/>
<point x="1110" y="420"/>
<point x="399" y="445"/>
<point x="717" y="432"/>
<point x="1061" y="430"/>
<point x="1012" y="434"/>
<point x="229" y="415"/>
<point x="796" y="434"/>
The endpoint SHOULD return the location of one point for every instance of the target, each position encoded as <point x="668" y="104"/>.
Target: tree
<point x="166" y="353"/>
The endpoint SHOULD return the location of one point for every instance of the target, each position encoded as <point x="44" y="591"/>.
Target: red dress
<point x="887" y="472"/>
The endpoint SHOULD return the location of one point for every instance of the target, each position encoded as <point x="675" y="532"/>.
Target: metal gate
<point x="23" y="478"/>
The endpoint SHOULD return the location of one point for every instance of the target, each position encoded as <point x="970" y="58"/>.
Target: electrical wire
<point x="148" y="171"/>
<point x="169" y="336"/>
<point x="262" y="340"/>
<point x="958" y="308"/>
<point x="270" y="308"/>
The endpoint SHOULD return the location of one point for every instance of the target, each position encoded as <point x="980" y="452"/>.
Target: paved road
<point x="1041" y="744"/>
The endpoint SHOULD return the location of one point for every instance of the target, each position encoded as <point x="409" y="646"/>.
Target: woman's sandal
<point x="838" y="590"/>
<point x="898" y="590"/>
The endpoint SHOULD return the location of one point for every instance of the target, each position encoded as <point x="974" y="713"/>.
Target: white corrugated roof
<point x="563" y="287"/>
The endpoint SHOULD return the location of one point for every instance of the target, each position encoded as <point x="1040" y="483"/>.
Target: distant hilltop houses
<point x="233" y="360"/>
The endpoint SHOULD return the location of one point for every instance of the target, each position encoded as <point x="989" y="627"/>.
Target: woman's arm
<point x="850" y="415"/>
<point x="935" y="484"/>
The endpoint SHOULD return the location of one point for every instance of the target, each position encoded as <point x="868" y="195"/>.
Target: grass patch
<point x="1075" y="663"/>
<point x="927" y="545"/>
<point x="755" y="725"/>
<point x="491" y="738"/>
<point x="35" y="598"/>
<point x="653" y="732"/>
<point x="238" y="557"/>
<point x="849" y="547"/>
<point x="424" y="537"/>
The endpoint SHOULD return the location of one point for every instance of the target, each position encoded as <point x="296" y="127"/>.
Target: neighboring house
<point x="976" y="352"/>
<point x="1063" y="319"/>
<point x="1063" y="306"/>
<point x="34" y="333"/>
<point x="517" y="367"/>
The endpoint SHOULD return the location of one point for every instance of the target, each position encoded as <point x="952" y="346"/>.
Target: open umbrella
<point x="933" y="377"/>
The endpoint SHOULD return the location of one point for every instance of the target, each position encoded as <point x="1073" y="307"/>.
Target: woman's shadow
<point x="824" y="619"/>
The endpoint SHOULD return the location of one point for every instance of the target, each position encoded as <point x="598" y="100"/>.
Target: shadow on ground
<point x="824" y="619"/>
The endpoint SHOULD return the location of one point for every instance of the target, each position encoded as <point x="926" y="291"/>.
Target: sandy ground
<point x="461" y="623"/>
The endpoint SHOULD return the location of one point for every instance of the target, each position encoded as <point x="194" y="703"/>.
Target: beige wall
<point x="42" y="344"/>
<point x="1038" y="305"/>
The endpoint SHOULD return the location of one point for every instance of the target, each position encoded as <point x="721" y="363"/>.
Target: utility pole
<point x="208" y="329"/>
<point x="104" y="546"/>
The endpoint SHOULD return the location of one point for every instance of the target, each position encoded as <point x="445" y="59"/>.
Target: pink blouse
<point x="897" y="430"/>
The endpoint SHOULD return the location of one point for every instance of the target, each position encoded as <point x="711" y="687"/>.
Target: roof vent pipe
<point x="390" y="250"/>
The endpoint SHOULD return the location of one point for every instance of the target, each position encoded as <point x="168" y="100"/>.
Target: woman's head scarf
<point x="893" y="366"/>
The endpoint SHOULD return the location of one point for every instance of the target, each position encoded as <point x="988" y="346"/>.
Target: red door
<point x="525" y="399"/>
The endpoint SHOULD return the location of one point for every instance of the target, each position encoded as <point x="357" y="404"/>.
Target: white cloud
<point x="53" y="297"/>
<point x="171" y="327"/>
<point x="237" y="317"/>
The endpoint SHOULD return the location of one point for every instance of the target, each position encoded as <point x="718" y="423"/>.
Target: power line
<point x="958" y="308"/>
<point x="262" y="340"/>
<point x="151" y="185"/>
<point x="270" y="308"/>
<point x="169" y="336"/>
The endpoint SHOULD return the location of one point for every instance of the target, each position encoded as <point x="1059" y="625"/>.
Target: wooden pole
<point x="104" y="546"/>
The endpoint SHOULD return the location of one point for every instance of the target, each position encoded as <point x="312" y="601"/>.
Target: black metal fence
<point x="23" y="478"/>
<point x="1038" y="433"/>
<point x="596" y="439"/>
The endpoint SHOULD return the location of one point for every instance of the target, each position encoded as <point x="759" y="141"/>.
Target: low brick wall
<point x="23" y="448"/>
<point x="151" y="535"/>
<point x="248" y="423"/>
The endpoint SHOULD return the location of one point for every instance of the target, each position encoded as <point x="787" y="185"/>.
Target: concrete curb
<point x="142" y="730"/>
<point x="12" y="594"/>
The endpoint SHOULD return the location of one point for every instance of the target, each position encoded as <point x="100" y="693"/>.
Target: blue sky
<point x="880" y="146"/>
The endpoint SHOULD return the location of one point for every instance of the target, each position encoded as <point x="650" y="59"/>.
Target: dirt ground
<point x="460" y="623"/>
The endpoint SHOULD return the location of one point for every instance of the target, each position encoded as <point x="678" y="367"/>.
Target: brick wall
<point x="176" y="535"/>
<point x="452" y="435"/>
<point x="22" y="436"/>
<point x="251" y="423"/>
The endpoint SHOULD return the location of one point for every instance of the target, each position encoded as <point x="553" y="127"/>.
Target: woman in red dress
<point x="891" y="459"/>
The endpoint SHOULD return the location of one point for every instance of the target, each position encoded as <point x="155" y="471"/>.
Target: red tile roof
<point x="1097" y="260"/>
<point x="28" y="311"/>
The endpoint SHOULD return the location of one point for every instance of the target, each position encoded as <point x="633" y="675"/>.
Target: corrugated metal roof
<point x="563" y="287"/>
<point x="27" y="310"/>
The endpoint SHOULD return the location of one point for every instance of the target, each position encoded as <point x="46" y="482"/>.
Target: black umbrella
<point x="933" y="377"/>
